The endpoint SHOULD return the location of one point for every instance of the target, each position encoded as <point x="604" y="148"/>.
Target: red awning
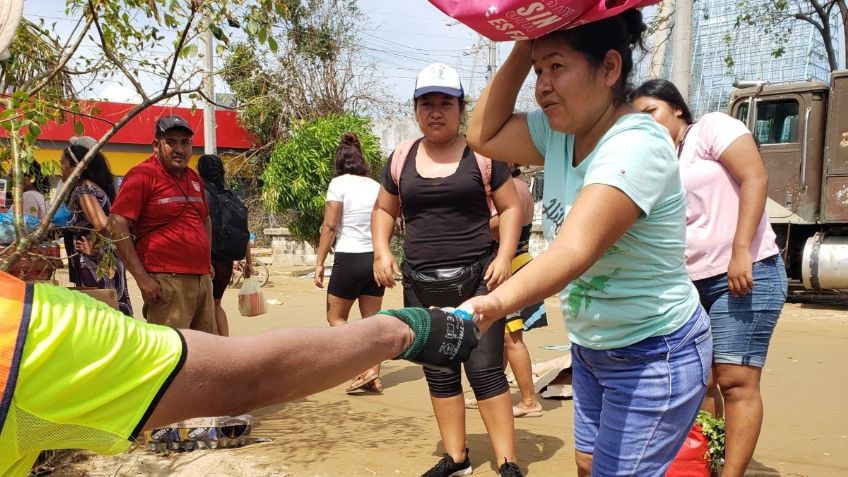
<point x="140" y="129"/>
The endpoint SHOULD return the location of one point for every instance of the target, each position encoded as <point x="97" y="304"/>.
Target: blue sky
<point x="404" y="41"/>
<point x="401" y="37"/>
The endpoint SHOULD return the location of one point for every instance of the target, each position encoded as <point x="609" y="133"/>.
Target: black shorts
<point x="353" y="275"/>
<point x="223" y="273"/>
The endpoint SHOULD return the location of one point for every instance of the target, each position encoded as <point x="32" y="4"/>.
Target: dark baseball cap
<point x="170" y="122"/>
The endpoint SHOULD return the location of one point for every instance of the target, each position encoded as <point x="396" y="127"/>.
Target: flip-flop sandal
<point x="361" y="381"/>
<point x="518" y="411"/>
<point x="471" y="403"/>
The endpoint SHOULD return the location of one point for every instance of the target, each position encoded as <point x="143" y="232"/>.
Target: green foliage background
<point x="300" y="169"/>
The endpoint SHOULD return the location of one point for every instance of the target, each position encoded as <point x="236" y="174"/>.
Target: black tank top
<point x="446" y="218"/>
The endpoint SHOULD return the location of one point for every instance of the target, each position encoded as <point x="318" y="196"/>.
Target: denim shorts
<point x="743" y="325"/>
<point x="634" y="406"/>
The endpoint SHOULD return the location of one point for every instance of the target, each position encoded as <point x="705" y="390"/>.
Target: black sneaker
<point x="510" y="469"/>
<point x="448" y="468"/>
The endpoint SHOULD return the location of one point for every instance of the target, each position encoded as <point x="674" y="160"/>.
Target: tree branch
<point x="66" y="56"/>
<point x="18" y="174"/>
<point x="826" y="34"/>
<point x="111" y="55"/>
<point x="83" y="114"/>
<point x="206" y="98"/>
<point x="179" y="47"/>
<point x="809" y="19"/>
<point x="22" y="242"/>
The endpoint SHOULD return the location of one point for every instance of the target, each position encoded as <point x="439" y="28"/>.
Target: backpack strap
<point x="399" y="156"/>
<point x="485" y="166"/>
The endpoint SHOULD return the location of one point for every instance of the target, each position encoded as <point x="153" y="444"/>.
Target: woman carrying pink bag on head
<point x="614" y="214"/>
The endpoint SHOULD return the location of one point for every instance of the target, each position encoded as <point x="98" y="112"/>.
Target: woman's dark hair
<point x="211" y="170"/>
<point x="37" y="178"/>
<point x="664" y="90"/>
<point x="622" y="33"/>
<point x="349" y="158"/>
<point x="96" y="171"/>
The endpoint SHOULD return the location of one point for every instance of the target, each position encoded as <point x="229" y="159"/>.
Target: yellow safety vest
<point x="14" y="321"/>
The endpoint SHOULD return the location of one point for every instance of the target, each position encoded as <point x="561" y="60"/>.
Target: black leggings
<point x="484" y="369"/>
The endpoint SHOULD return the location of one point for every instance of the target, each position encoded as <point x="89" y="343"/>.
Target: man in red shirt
<point x="162" y="227"/>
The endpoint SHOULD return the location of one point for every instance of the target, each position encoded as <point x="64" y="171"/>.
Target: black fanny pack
<point x="447" y="286"/>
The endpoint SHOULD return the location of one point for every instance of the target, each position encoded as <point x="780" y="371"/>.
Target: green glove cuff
<point x="419" y="320"/>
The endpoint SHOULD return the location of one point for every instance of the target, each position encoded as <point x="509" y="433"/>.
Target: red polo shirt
<point x="168" y="212"/>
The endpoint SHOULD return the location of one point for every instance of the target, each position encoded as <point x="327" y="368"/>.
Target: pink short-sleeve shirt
<point x="712" y="199"/>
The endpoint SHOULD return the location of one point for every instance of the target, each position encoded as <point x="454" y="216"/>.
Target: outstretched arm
<point x="495" y="130"/>
<point x="287" y="364"/>
<point x="599" y="217"/>
<point x="278" y="366"/>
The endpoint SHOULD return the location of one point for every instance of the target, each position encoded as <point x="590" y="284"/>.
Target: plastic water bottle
<point x="462" y="312"/>
<point x="465" y="312"/>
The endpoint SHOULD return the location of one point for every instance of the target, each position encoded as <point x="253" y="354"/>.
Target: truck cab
<point x="802" y="131"/>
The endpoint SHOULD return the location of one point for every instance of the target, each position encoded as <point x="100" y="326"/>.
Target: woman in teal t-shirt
<point x="614" y="212"/>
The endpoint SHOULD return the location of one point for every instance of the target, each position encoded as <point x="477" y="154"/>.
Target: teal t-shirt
<point x="639" y="288"/>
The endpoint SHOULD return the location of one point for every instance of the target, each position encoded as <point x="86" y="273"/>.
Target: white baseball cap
<point x="87" y="142"/>
<point x="438" y="78"/>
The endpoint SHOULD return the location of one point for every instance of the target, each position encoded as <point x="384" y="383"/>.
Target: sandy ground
<point x="805" y="432"/>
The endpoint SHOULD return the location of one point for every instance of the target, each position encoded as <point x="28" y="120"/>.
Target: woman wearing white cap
<point x="446" y="194"/>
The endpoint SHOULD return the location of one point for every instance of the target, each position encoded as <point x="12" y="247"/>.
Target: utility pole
<point x="493" y="52"/>
<point x="681" y="69"/>
<point x="209" y="144"/>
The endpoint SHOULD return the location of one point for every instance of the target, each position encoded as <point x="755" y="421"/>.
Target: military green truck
<point x="802" y="129"/>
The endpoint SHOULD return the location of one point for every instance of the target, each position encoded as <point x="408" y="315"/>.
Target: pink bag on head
<point x="510" y="20"/>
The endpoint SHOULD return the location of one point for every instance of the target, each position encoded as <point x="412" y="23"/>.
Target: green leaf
<point x="6" y="114"/>
<point x="217" y="32"/>
<point x="189" y="50"/>
<point x="32" y="133"/>
<point x="79" y="129"/>
<point x="272" y="44"/>
<point x="713" y="429"/>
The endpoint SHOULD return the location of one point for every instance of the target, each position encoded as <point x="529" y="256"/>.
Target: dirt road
<point x="805" y="433"/>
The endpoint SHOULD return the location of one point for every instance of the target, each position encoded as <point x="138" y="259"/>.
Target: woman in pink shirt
<point x="731" y="256"/>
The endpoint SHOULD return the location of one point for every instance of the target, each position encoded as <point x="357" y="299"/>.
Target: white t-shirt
<point x="357" y="195"/>
<point x="34" y="203"/>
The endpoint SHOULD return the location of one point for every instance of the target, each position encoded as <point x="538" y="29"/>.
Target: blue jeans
<point x="634" y="406"/>
<point x="743" y="325"/>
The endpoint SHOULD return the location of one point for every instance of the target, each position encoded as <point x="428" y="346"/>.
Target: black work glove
<point x="441" y="340"/>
